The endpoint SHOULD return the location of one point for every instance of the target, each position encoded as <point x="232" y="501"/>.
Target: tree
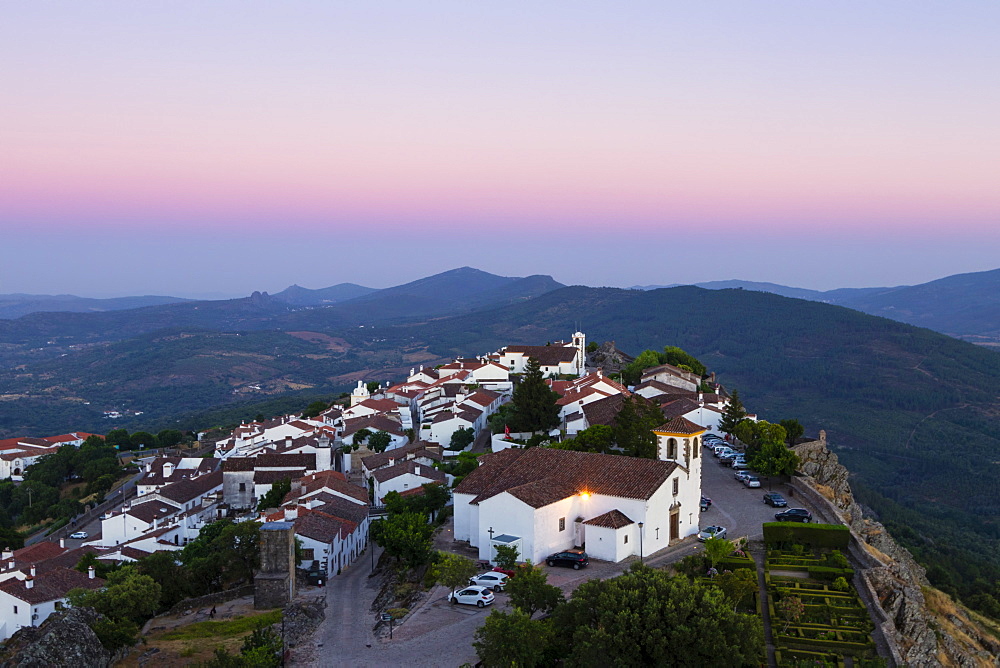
<point x="373" y="386"/>
<point x="632" y="374"/>
<point x="315" y="408"/>
<point x="647" y="617"/>
<point x="452" y="570"/>
<point x="534" y="403"/>
<point x="168" y="438"/>
<point x="513" y="639"/>
<point x="360" y="435"/>
<point x="274" y="496"/>
<point x="717" y="549"/>
<point x="128" y="595"/>
<point x="462" y="438"/>
<point x="774" y="459"/>
<point x="165" y="571"/>
<point x="404" y="536"/>
<point x="737" y="585"/>
<point x="505" y="556"/>
<point x="733" y="414"/>
<point x="379" y="441"/>
<point x="679" y="358"/>
<point x="791" y="608"/>
<point x="120" y="438"/>
<point x="599" y="438"/>
<point x="503" y="418"/>
<point x="143" y="438"/>
<point x="633" y="430"/>
<point x="530" y="591"/>
<point x="793" y="431"/>
<point x="757" y="434"/>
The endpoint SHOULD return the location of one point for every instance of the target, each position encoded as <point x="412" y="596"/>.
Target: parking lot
<point x="738" y="508"/>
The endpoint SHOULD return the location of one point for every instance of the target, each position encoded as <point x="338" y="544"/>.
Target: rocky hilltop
<point x="64" y="639"/>
<point x="926" y="627"/>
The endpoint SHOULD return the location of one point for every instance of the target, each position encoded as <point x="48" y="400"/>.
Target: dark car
<point x="794" y="515"/>
<point x="706" y="503"/>
<point x="776" y="500"/>
<point x="574" y="558"/>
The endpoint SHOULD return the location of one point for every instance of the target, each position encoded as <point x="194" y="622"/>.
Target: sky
<point x="216" y="148"/>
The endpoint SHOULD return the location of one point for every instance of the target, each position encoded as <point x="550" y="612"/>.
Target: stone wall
<point x="212" y="599"/>
<point x="889" y="580"/>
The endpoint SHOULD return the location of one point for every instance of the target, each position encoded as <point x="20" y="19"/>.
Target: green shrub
<point x="798" y="549"/>
<point x="840" y="584"/>
<point x="816" y="535"/>
<point x="829" y="573"/>
<point x="837" y="560"/>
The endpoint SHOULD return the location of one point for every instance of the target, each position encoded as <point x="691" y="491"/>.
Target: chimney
<point x="7" y="554"/>
<point x="62" y="543"/>
<point x="29" y="583"/>
<point x="392" y="460"/>
<point x="90" y="572"/>
<point x="416" y="470"/>
<point x="11" y="564"/>
<point x="291" y="513"/>
<point x="168" y="470"/>
<point x="32" y="570"/>
<point x="288" y="441"/>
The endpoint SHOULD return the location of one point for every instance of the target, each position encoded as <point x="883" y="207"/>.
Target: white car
<point x="739" y="462"/>
<point x="492" y="579"/>
<point x="475" y="595"/>
<point x="741" y="475"/>
<point x="79" y="535"/>
<point x="711" y="532"/>
<point x="751" y="481"/>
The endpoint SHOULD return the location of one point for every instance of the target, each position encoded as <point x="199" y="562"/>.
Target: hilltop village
<point x="528" y="455"/>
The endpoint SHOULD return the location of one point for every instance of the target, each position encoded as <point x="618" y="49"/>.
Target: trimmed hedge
<point x="830" y="573"/>
<point x="817" y="535"/>
<point x="733" y="563"/>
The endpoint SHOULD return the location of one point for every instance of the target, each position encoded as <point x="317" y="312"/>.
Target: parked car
<point x="775" y="500"/>
<point x="740" y="475"/>
<point x="79" y="535"/>
<point x="739" y="462"/>
<point x="719" y="448"/>
<point x="711" y="532"/>
<point x="714" y="437"/>
<point x="573" y="558"/>
<point x="509" y="572"/>
<point x="475" y="595"/>
<point x="794" y="515"/>
<point x="725" y="452"/>
<point x="705" y="503"/>
<point x="751" y="481"/>
<point x="492" y="579"/>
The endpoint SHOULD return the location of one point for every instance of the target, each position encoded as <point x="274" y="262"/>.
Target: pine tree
<point x="534" y="402"/>
<point x="734" y="413"/>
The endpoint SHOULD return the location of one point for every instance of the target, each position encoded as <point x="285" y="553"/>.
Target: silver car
<point x="751" y="481"/>
<point x="711" y="532"/>
<point x="492" y="579"/>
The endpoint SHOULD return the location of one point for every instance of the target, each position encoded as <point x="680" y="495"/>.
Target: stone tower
<point x="274" y="585"/>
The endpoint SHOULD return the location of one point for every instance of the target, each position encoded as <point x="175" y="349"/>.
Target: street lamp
<point x="640" y="542"/>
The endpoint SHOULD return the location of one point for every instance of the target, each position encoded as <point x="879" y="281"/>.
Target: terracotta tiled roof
<point x="402" y="468"/>
<point x="188" y="490"/>
<point x="331" y="480"/>
<point x="613" y="519"/>
<point x="38" y="552"/>
<point x="546" y="355"/>
<point x="271" y="477"/>
<point x="679" y="407"/>
<point x="380" y="405"/>
<point x="426" y="448"/>
<point x="540" y="476"/>
<point x="680" y="425"/>
<point x="377" y="422"/>
<point x="603" y="411"/>
<point x="670" y="369"/>
<point x="153" y="510"/>
<point x="340" y="507"/>
<point x="483" y="397"/>
<point x="318" y="526"/>
<point x="50" y="586"/>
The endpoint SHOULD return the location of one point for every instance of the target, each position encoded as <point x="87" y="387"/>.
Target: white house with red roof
<point x="556" y="359"/>
<point x="405" y="476"/>
<point x="544" y="500"/>
<point x="30" y="601"/>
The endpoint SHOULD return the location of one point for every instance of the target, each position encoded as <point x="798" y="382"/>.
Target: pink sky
<point x="412" y="126"/>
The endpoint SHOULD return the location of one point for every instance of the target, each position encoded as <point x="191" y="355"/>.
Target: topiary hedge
<point x="818" y="535"/>
<point x="829" y="573"/>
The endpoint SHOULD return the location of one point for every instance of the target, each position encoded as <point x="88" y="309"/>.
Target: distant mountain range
<point x="16" y="305"/>
<point x="966" y="306"/>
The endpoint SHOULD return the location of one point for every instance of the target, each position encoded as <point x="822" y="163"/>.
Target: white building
<point x="544" y="500"/>
<point x="405" y="476"/>
<point x="560" y="358"/>
<point x="30" y="601"/>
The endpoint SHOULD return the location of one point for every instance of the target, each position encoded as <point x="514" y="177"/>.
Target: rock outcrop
<point x="609" y="358"/>
<point x="63" y="640"/>
<point x="932" y="632"/>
